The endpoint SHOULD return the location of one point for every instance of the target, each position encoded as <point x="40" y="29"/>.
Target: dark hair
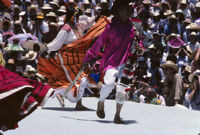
<point x="69" y="13"/>
<point x="118" y="4"/>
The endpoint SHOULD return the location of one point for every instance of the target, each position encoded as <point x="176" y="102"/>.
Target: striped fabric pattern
<point x="72" y="55"/>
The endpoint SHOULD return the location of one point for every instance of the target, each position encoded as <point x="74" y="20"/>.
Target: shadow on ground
<point x="64" y="109"/>
<point x="127" y="122"/>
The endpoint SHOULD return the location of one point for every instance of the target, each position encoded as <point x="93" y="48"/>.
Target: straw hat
<point x="86" y="2"/>
<point x="51" y="14"/>
<point x="172" y="35"/>
<point x="170" y="64"/>
<point x="103" y="1"/>
<point x="193" y="34"/>
<point x="179" y="11"/>
<point x="197" y="5"/>
<point x="165" y="4"/>
<point x="46" y="7"/>
<point x="7" y="16"/>
<point x="53" y="24"/>
<point x="31" y="55"/>
<point x="168" y="12"/>
<point x="55" y="2"/>
<point x="29" y="46"/>
<point x="191" y="76"/>
<point x="176" y="43"/>
<point x="147" y="2"/>
<point x="33" y="7"/>
<point x="183" y="2"/>
<point x="193" y="26"/>
<point x="40" y="15"/>
<point x="172" y="17"/>
<point x="188" y="69"/>
<point x="62" y="9"/>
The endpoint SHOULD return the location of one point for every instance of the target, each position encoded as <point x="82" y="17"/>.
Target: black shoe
<point x="100" y="111"/>
<point x="118" y="120"/>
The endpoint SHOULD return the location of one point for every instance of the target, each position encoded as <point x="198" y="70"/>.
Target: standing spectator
<point x="173" y="84"/>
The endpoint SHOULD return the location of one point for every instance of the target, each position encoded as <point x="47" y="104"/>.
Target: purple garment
<point x="116" y="39"/>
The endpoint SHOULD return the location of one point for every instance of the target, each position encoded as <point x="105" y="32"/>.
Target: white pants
<point x="109" y="84"/>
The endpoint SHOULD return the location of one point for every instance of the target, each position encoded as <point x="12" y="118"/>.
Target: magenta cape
<point x="116" y="40"/>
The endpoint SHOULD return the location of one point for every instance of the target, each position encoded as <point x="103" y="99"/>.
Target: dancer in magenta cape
<point x="116" y="42"/>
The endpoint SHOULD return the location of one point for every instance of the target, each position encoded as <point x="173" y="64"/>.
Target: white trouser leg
<point x="121" y="96"/>
<point x="109" y="81"/>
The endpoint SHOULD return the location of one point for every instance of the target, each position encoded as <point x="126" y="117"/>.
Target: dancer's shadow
<point x="127" y="122"/>
<point x="64" y="109"/>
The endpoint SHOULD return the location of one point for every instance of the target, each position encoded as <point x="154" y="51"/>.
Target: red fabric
<point x="66" y="27"/>
<point x="13" y="106"/>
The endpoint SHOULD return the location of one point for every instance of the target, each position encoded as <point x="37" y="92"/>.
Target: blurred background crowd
<point x="166" y="70"/>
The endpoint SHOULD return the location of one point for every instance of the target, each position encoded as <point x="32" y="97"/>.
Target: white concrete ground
<point x="141" y="119"/>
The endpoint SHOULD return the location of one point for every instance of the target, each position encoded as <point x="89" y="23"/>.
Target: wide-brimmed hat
<point x="183" y="2"/>
<point x="28" y="46"/>
<point x="7" y="16"/>
<point x="168" y="12"/>
<point x="62" y="9"/>
<point x="31" y="55"/>
<point x="53" y="24"/>
<point x="172" y="17"/>
<point x="86" y="2"/>
<point x="46" y="7"/>
<point x="193" y="26"/>
<point x="147" y="2"/>
<point x="172" y="36"/>
<point x="197" y="5"/>
<point x="188" y="69"/>
<point x="193" y="34"/>
<point x="170" y="64"/>
<point x="55" y="2"/>
<point x="191" y="76"/>
<point x="33" y="7"/>
<point x="51" y="14"/>
<point x="176" y="43"/>
<point x="179" y="11"/>
<point x="40" y="15"/>
<point x="164" y="4"/>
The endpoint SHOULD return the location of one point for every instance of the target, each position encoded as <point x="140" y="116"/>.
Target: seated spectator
<point x="192" y="96"/>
